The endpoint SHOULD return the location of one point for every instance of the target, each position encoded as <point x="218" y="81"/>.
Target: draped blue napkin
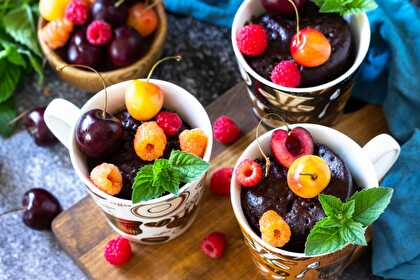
<point x="390" y="75"/>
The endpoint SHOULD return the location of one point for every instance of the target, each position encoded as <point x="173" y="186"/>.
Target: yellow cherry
<point x="52" y="9"/>
<point x="308" y="176"/>
<point x="143" y="100"/>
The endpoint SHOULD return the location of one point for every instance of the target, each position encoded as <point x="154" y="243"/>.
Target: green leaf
<point x="166" y="177"/>
<point x="333" y="207"/>
<point x="331" y="6"/>
<point x="354" y="233"/>
<point x="345" y="7"/>
<point x="143" y="188"/>
<point x="190" y="166"/>
<point x="370" y="204"/>
<point x="7" y="113"/>
<point x="19" y="23"/>
<point x="324" y="238"/>
<point x="10" y="76"/>
<point x="12" y="54"/>
<point x="36" y="65"/>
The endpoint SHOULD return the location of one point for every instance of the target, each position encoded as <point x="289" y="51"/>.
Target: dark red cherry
<point x="107" y="10"/>
<point x="41" y="207"/>
<point x="35" y="124"/>
<point x="80" y="51"/>
<point x="98" y="135"/>
<point x="283" y="7"/>
<point x="126" y="46"/>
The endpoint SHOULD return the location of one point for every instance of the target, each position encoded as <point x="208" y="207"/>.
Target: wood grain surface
<point x="83" y="232"/>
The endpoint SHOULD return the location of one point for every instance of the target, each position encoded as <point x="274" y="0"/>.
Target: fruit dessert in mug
<point x="104" y="34"/>
<point x="299" y="43"/>
<point x="302" y="198"/>
<point x="144" y="151"/>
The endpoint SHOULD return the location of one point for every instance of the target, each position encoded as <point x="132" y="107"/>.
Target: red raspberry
<point x="249" y="173"/>
<point x="170" y="122"/>
<point x="77" y="12"/>
<point x="118" y="251"/>
<point x="286" y="73"/>
<point x="99" y="32"/>
<point x="214" y="244"/>
<point x="220" y="181"/>
<point x="225" y="130"/>
<point x="252" y="39"/>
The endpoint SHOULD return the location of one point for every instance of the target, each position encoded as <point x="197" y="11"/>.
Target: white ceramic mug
<point x="321" y="104"/>
<point x="150" y="222"/>
<point x="367" y="165"/>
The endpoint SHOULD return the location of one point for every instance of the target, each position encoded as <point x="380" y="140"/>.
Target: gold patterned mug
<point x="154" y="221"/>
<point x="367" y="166"/>
<point x="321" y="104"/>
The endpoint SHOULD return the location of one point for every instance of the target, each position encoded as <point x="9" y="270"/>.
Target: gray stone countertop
<point x="207" y="71"/>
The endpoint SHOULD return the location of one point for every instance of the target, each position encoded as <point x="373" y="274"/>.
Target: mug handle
<point x="383" y="152"/>
<point x="61" y="116"/>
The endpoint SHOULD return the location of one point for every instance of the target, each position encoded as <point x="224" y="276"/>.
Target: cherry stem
<point x="313" y="176"/>
<point x="61" y="68"/>
<point x="267" y="159"/>
<point x="13" y="210"/>
<point x="17" y="118"/>
<point x="119" y="3"/>
<point x="175" y="57"/>
<point x="297" y="20"/>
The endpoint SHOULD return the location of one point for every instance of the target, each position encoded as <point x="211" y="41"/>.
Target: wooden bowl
<point x="89" y="81"/>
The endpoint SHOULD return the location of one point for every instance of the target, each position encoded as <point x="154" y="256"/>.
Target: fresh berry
<point x="214" y="244"/>
<point x="143" y="100"/>
<point x="249" y="173"/>
<point x="126" y="46"/>
<point x="282" y="7"/>
<point x="56" y="33"/>
<point x="37" y="128"/>
<point x="118" y="251"/>
<point x="287" y="146"/>
<point x="99" y="32"/>
<point x="41" y="207"/>
<point x="220" y="181"/>
<point x="310" y="47"/>
<point x="107" y="177"/>
<point x="128" y="122"/>
<point x="308" y="176"/>
<point x="106" y="10"/>
<point x="274" y="229"/>
<point x="193" y="141"/>
<point x="286" y="73"/>
<point x="142" y="19"/>
<point x="77" y="11"/>
<point x="252" y="39"/>
<point x="170" y="122"/>
<point x="52" y="9"/>
<point x="225" y="130"/>
<point x="150" y="141"/>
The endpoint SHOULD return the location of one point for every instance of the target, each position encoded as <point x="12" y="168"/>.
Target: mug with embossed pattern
<point x="321" y="104"/>
<point x="154" y="221"/>
<point x="367" y="164"/>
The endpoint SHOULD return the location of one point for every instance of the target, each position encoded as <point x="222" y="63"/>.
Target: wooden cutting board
<point x="83" y="232"/>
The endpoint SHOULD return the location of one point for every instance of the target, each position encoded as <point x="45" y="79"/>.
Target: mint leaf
<point x="19" y="23"/>
<point x="165" y="176"/>
<point x="333" y="207"/>
<point x="10" y="76"/>
<point x="7" y="113"/>
<point x="143" y="188"/>
<point x="36" y="64"/>
<point x="354" y="233"/>
<point x="331" y="6"/>
<point x="324" y="238"/>
<point x="345" y="7"/>
<point x="370" y="204"/>
<point x="12" y="55"/>
<point x="190" y="166"/>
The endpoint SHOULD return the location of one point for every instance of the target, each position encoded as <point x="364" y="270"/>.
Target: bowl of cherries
<point x="121" y="39"/>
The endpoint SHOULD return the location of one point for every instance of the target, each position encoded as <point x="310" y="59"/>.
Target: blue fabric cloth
<point x="390" y="76"/>
<point x="220" y="12"/>
<point x="396" y="240"/>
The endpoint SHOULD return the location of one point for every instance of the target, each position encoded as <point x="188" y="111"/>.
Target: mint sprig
<point x="346" y="222"/>
<point x="345" y="7"/>
<point x="166" y="175"/>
